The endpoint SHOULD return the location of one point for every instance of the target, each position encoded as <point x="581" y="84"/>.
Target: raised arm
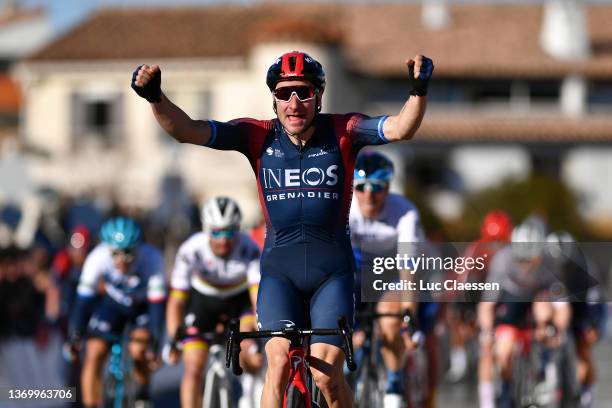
<point x="404" y="125"/>
<point x="146" y="82"/>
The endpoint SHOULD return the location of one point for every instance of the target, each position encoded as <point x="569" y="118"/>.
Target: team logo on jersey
<point x="313" y="177"/>
<point x="269" y="151"/>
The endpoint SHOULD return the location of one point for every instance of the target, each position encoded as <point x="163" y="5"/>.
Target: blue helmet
<point x="373" y="166"/>
<point x="121" y="233"/>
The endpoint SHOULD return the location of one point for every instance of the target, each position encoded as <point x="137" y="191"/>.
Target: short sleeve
<point x="180" y="279"/>
<point x="243" y="135"/>
<point x="156" y="288"/>
<point x="93" y="268"/>
<point x="366" y="131"/>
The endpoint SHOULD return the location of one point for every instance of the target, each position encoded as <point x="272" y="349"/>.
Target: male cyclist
<point x="303" y="161"/>
<point x="588" y="307"/>
<point x="495" y="232"/>
<point x="131" y="274"/>
<point x="380" y="222"/>
<point x="527" y="276"/>
<point x="215" y="278"/>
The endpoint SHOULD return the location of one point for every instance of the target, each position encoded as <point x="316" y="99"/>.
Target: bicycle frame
<point x="297" y="369"/>
<point x="216" y="367"/>
<point x="116" y="367"/>
<point x="297" y="375"/>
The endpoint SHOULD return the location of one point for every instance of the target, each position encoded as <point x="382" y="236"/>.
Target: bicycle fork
<point x="297" y="375"/>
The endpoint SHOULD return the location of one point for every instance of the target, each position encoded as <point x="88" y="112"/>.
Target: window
<point x="97" y="119"/>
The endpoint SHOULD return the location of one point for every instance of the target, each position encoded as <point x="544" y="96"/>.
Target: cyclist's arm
<point x="86" y="293"/>
<point x="180" y="284"/>
<point x="254" y="276"/>
<point x="562" y="314"/>
<point x="404" y="125"/>
<point x="179" y="125"/>
<point x="177" y="302"/>
<point x="156" y="296"/>
<point x="486" y="317"/>
<point x="409" y="233"/>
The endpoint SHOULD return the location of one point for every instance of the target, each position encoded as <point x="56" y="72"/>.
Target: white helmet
<point x="528" y="238"/>
<point x="561" y="245"/>
<point x="221" y="213"/>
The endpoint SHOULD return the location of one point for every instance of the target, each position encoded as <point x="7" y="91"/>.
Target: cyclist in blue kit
<point x="303" y="161"/>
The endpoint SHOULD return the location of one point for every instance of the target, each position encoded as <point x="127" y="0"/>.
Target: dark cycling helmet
<point x="121" y="233"/>
<point x="496" y="226"/>
<point x="295" y="65"/>
<point x="373" y="165"/>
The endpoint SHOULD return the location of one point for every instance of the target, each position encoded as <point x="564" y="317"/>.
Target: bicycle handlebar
<point x="294" y="334"/>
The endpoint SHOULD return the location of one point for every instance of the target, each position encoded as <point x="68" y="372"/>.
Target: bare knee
<point x="95" y="354"/>
<point x="194" y="361"/>
<point x="278" y="361"/>
<point x="326" y="368"/>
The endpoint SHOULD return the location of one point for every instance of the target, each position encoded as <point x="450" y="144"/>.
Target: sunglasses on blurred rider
<point x="375" y="186"/>
<point x="304" y="93"/>
<point x="126" y="254"/>
<point x="223" y="233"/>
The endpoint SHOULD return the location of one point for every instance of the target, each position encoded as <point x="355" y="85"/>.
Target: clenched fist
<point x="146" y="81"/>
<point x="419" y="72"/>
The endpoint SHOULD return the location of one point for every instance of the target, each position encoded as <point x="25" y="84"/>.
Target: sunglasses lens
<point x="127" y="255"/>
<point x="224" y="233"/>
<point x="303" y="93"/>
<point x="375" y="187"/>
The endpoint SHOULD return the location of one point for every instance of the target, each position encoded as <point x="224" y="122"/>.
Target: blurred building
<point x="22" y="32"/>
<point x="518" y="88"/>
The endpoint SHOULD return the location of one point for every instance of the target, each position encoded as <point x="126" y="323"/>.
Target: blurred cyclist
<point x="303" y="161"/>
<point x="380" y="222"/>
<point x="66" y="270"/>
<point x="215" y="278"/>
<point x="588" y="307"/>
<point x="495" y="232"/>
<point x="132" y="276"/>
<point x="527" y="276"/>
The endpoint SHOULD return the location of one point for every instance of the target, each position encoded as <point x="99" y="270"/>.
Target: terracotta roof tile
<point x="10" y="96"/>
<point x="481" y="41"/>
<point x="20" y="16"/>
<point x="178" y="33"/>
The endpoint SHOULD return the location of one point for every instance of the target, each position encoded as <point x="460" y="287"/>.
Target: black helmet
<point x="295" y="65"/>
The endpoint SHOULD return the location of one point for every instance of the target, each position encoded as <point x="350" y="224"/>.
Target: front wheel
<point x="217" y="391"/>
<point x="368" y="391"/>
<point x="295" y="398"/>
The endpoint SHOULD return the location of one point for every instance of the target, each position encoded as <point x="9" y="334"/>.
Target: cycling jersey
<point x="398" y="221"/>
<point x="518" y="282"/>
<point x="519" y="285"/>
<point x="143" y="283"/>
<point x="135" y="296"/>
<point x="197" y="267"/>
<point x="305" y="193"/>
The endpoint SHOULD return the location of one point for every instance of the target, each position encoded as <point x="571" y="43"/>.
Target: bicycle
<point x="218" y="390"/>
<point x="537" y="378"/>
<point x="299" y="391"/>
<point x="368" y="380"/>
<point x="119" y="390"/>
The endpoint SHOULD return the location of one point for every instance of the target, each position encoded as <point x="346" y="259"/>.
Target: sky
<point x="67" y="13"/>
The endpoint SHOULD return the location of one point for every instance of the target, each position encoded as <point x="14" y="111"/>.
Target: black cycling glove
<point x="152" y="90"/>
<point x="418" y="86"/>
